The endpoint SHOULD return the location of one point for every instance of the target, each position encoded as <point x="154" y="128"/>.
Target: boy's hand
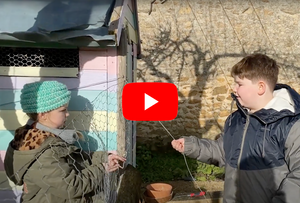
<point x="178" y="144"/>
<point x="114" y="162"/>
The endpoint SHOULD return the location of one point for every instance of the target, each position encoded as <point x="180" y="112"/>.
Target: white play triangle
<point x="149" y="101"/>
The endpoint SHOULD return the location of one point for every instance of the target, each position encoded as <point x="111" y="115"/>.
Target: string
<point x="187" y="166"/>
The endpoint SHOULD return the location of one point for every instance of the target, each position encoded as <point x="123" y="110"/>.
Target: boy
<point x="260" y="145"/>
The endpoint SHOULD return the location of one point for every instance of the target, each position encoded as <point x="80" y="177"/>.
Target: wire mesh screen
<point x="80" y="173"/>
<point x="39" y="57"/>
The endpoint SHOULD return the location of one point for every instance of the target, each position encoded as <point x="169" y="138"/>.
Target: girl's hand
<point x="114" y="162"/>
<point x="178" y="145"/>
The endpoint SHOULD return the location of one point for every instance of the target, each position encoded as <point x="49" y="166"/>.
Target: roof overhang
<point x="70" y="22"/>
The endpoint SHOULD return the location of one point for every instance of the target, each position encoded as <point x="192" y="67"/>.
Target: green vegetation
<point x="166" y="166"/>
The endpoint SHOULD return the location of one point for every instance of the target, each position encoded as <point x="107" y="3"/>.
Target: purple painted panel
<point x="87" y="80"/>
<point x="134" y="50"/>
<point x="10" y="196"/>
<point x="2" y="155"/>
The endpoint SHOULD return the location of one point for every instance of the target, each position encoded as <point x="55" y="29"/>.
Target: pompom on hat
<point x="40" y="97"/>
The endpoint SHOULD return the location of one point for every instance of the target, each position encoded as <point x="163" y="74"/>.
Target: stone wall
<point x="194" y="44"/>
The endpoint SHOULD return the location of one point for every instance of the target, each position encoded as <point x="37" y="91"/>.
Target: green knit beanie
<point x="40" y="97"/>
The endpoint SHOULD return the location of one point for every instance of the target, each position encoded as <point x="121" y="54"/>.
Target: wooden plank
<point x="117" y="10"/>
<point x="130" y="5"/>
<point x="134" y="68"/>
<point x="55" y="45"/>
<point x="87" y="80"/>
<point x="2" y="156"/>
<point x="115" y="17"/>
<point x="121" y="23"/>
<point x="93" y="141"/>
<point x="80" y="120"/>
<point x="11" y="195"/>
<point x="112" y="65"/>
<point x="9" y="192"/>
<point x="129" y="124"/>
<point x="130" y="16"/>
<point x="81" y="100"/>
<point x="99" y="60"/>
<point x="93" y="60"/>
<point x="38" y="71"/>
<point x="132" y="33"/>
<point x="5" y="138"/>
<point x="122" y="50"/>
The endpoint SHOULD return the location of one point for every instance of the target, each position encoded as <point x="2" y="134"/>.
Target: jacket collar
<point x="68" y="135"/>
<point x="274" y="112"/>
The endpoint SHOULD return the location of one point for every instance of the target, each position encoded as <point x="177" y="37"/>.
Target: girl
<point x="41" y="156"/>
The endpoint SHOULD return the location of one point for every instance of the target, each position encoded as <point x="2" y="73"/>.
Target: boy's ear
<point x="261" y="87"/>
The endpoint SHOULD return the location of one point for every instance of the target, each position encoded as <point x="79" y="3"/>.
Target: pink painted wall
<point x="96" y="68"/>
<point x="2" y="155"/>
<point x="98" y="60"/>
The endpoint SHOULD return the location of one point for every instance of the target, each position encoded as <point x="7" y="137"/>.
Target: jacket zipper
<point x="243" y="140"/>
<point x="240" y="155"/>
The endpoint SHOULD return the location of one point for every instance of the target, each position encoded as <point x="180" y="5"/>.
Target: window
<point x="39" y="62"/>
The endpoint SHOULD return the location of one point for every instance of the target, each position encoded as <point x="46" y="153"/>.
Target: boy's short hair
<point x="255" y="67"/>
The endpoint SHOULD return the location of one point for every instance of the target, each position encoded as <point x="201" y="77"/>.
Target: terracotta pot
<point x="157" y="200"/>
<point x="158" y="190"/>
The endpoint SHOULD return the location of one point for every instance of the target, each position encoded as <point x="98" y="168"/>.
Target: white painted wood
<point x="80" y="120"/>
<point x="38" y="71"/>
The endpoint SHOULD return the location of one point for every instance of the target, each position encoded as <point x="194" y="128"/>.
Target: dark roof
<point x="73" y="22"/>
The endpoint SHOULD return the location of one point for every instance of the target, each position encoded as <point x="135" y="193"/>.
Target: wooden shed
<point x="91" y="46"/>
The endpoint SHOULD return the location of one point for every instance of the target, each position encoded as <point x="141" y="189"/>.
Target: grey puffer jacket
<point x="260" y="151"/>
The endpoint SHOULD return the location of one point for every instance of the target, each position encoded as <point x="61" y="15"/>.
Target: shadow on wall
<point x="178" y="52"/>
<point x="7" y="102"/>
<point x="47" y="22"/>
<point x="184" y="52"/>
<point x="88" y="143"/>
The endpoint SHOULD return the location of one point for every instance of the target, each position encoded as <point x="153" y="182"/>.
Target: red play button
<point x="149" y="101"/>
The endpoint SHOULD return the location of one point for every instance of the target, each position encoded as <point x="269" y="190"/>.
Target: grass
<point x="168" y="166"/>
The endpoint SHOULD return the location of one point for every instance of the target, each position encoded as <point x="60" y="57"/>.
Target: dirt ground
<point x="193" y="186"/>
